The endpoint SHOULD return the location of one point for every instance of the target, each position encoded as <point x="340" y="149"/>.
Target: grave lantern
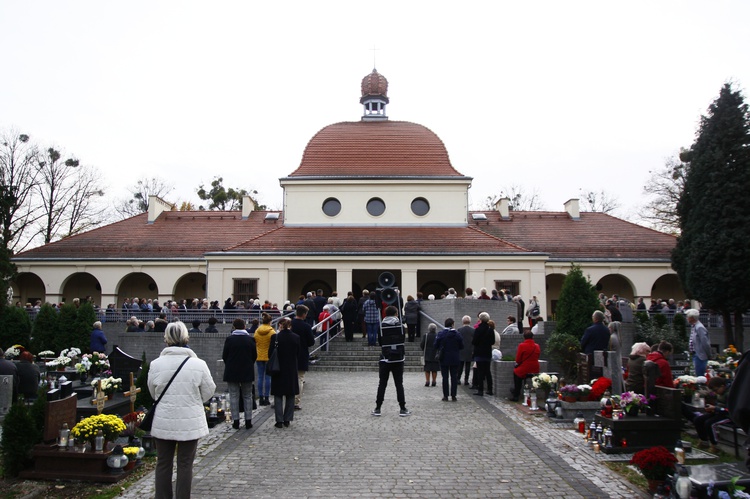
<point x="580" y="422"/>
<point x="117" y="460"/>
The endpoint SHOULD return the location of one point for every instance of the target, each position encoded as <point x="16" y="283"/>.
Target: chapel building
<point x="368" y="196"/>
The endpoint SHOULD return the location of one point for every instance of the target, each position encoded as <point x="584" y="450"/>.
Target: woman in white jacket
<point x="179" y="420"/>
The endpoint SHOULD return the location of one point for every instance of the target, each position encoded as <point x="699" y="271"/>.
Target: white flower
<point x="46" y="353"/>
<point x="12" y="353"/>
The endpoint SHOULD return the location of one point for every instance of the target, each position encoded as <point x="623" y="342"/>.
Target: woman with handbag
<point x="285" y="346"/>
<point x="449" y="343"/>
<point x="181" y="382"/>
<point x="431" y="366"/>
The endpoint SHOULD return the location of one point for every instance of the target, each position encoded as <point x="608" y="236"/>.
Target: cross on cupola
<point x="374" y="96"/>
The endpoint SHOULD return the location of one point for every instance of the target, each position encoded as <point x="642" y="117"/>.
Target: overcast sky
<point x="554" y="95"/>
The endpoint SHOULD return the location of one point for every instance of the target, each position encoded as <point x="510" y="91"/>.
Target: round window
<point x="420" y="207"/>
<point x="375" y="207"/>
<point x="331" y="207"/>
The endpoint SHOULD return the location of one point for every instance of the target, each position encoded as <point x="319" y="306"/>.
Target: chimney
<point x="573" y="209"/>
<point x="248" y="206"/>
<point x="156" y="206"/>
<point x="502" y="205"/>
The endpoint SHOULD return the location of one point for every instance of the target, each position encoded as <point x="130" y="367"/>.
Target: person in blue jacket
<point x="98" y="340"/>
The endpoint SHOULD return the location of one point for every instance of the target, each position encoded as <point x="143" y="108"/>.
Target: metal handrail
<point x="326" y="333"/>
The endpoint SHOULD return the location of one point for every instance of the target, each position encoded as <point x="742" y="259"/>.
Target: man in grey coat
<point x="467" y="334"/>
<point x="700" y="345"/>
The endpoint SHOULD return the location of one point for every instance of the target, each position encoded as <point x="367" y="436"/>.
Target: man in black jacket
<point x="391" y="339"/>
<point x="306" y="340"/>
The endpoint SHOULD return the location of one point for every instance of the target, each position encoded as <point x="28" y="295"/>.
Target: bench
<point x="736" y="433"/>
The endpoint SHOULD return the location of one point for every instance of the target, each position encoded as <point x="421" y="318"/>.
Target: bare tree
<point x="520" y="199"/>
<point x="84" y="210"/>
<point x="600" y="201"/>
<point x="18" y="179"/>
<point x="144" y="188"/>
<point x="665" y="187"/>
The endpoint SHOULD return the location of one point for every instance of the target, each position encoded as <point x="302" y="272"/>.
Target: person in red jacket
<point x="527" y="362"/>
<point x="660" y="358"/>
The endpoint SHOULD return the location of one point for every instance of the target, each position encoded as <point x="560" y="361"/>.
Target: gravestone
<point x="6" y="393"/>
<point x="612" y="369"/>
<point x="56" y="413"/>
<point x="122" y="364"/>
<point x="53" y="394"/>
<point x="721" y="475"/>
<point x="584" y="369"/>
<point x="66" y="389"/>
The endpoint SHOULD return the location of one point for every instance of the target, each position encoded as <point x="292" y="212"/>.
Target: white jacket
<point x="180" y="414"/>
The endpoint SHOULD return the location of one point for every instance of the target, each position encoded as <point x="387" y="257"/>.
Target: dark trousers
<point x="397" y="369"/>
<point x="517" y="384"/>
<point x="453" y="371"/>
<point x="349" y="327"/>
<point x="165" y="452"/>
<point x="482" y="374"/>
<point x="283" y="406"/>
<point x="465" y="368"/>
<point x="412" y="331"/>
<point x="704" y="425"/>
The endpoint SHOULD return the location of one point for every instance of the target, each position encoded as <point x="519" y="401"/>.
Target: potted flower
<point x="82" y="368"/>
<point x="71" y="352"/>
<point x="570" y="393"/>
<point x="132" y="453"/>
<point x="583" y="392"/>
<point x="59" y="363"/>
<point x="86" y="429"/>
<point x="688" y="385"/>
<point x="655" y="464"/>
<point x="631" y="402"/>
<point x="132" y="421"/>
<point x="543" y="382"/>
<point x="46" y="354"/>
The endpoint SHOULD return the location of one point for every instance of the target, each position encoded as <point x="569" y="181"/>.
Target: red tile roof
<point x="595" y="235"/>
<point x="192" y="234"/>
<point x="375" y="148"/>
<point x="174" y="234"/>
<point x="378" y="240"/>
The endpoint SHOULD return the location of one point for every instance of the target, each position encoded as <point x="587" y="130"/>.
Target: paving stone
<point x="476" y="447"/>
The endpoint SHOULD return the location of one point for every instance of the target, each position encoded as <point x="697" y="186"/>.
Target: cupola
<point x="374" y="96"/>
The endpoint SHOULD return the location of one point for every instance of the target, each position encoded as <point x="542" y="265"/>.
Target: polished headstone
<point x="56" y="413"/>
<point x="6" y="393"/>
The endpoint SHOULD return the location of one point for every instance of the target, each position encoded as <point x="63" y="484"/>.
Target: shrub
<point x="15" y="326"/>
<point x="563" y="349"/>
<point x="16" y="444"/>
<point x="44" y="329"/>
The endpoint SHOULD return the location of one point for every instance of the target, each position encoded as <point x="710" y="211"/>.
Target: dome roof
<point x="374" y="84"/>
<point x="375" y="149"/>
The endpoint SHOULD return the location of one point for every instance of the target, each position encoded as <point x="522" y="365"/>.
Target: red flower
<point x="655" y="463"/>
<point x="600" y="386"/>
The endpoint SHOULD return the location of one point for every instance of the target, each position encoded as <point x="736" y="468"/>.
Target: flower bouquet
<point x="131" y="452"/>
<point x="655" y="463"/>
<point x="543" y="381"/>
<point x="71" y="352"/>
<point x="689" y="385"/>
<point x="83" y="366"/>
<point x="108" y="385"/>
<point x="14" y="351"/>
<point x="631" y="402"/>
<point x="99" y="362"/>
<point x="86" y="429"/>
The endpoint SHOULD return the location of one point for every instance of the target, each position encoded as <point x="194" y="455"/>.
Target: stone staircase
<point x="357" y="356"/>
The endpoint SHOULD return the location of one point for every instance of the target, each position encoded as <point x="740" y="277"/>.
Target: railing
<point x="327" y="333"/>
<point x="186" y="316"/>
